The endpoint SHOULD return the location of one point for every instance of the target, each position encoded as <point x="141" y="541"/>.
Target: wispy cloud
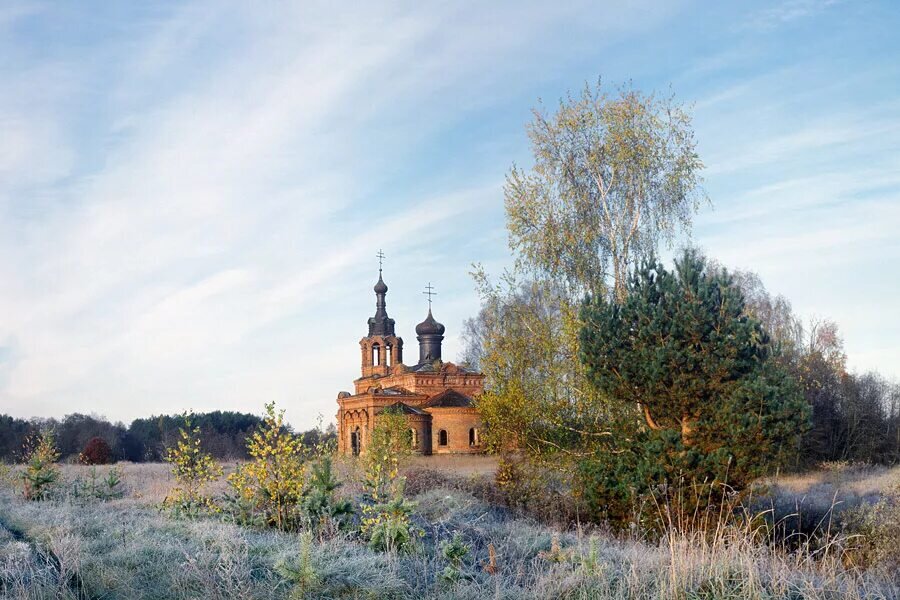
<point x="786" y="12"/>
<point x="191" y="194"/>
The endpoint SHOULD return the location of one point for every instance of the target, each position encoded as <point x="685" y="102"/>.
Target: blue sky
<point x="192" y="194"/>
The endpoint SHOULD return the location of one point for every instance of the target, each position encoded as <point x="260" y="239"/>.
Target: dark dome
<point x="429" y="326"/>
<point x="381" y="286"/>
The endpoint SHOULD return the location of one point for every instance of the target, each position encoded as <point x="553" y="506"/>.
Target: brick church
<point x="435" y="396"/>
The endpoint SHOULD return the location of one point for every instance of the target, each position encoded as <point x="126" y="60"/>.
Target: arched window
<point x="414" y="438"/>
<point x="442" y="437"/>
<point x="388" y="358"/>
<point x="355" y="441"/>
<point x="376" y="355"/>
<point x="473" y="437"/>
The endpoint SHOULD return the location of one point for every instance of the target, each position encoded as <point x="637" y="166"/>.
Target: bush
<point x="874" y="533"/>
<point x="192" y="468"/>
<point x="40" y="472"/>
<point x="273" y="484"/>
<point x="324" y="510"/>
<point x="95" y="487"/>
<point x="453" y="551"/>
<point x="386" y="513"/>
<point x="96" y="452"/>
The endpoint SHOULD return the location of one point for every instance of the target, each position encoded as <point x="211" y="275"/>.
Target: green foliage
<point x="717" y="410"/>
<point x="388" y="525"/>
<point x="612" y="173"/>
<point x="386" y="513"/>
<point x="515" y="481"/>
<point x="874" y="533"/>
<point x="301" y="572"/>
<point x="97" y="487"/>
<point x="273" y="484"/>
<point x="321" y="504"/>
<point x="193" y="469"/>
<point x="538" y="399"/>
<point x="14" y="435"/>
<point x="454" y="552"/>
<point x="389" y="445"/>
<point x="40" y="473"/>
<point x="222" y="433"/>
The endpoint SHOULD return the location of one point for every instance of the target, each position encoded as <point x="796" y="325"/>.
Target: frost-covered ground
<point x="126" y="548"/>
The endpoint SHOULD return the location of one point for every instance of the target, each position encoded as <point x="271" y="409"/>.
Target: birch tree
<point x="612" y="175"/>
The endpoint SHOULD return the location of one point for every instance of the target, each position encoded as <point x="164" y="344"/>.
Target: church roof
<point x="406" y="409"/>
<point x="444" y="367"/>
<point x="396" y="390"/>
<point x="450" y="399"/>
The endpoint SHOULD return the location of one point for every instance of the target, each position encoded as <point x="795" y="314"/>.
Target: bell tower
<point x="381" y="348"/>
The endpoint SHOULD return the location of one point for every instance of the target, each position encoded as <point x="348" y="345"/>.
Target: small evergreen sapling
<point x="321" y="504"/>
<point x="386" y="513"/>
<point x="454" y="552"/>
<point x="40" y="473"/>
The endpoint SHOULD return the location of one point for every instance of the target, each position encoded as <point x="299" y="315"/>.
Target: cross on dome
<point x="429" y="291"/>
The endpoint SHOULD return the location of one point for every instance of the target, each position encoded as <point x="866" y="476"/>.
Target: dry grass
<point x="463" y="465"/>
<point x="843" y="480"/>
<point x="126" y="548"/>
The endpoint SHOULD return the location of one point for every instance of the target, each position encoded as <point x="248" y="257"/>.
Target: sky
<point x="192" y="194"/>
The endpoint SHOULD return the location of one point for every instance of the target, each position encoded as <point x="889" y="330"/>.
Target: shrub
<point x="453" y="551"/>
<point x="95" y="487"/>
<point x="40" y="472"/>
<point x="514" y="482"/>
<point x="388" y="525"/>
<point x="874" y="533"/>
<point x="273" y="483"/>
<point x="386" y="513"/>
<point x="321" y="505"/>
<point x="192" y="469"/>
<point x="96" y="452"/>
<point x="302" y="572"/>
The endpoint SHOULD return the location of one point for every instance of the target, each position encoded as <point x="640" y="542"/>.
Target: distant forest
<point x="145" y="440"/>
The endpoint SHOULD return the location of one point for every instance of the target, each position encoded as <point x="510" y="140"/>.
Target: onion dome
<point x="381" y="286"/>
<point x="429" y="326"/>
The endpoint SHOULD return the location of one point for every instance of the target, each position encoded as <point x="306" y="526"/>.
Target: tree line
<point x="223" y="435"/>
<point x="854" y="416"/>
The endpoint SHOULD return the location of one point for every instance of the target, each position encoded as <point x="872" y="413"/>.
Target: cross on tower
<point x="429" y="291"/>
<point x="380" y="256"/>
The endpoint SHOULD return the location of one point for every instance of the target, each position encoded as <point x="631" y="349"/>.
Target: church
<point x="436" y="396"/>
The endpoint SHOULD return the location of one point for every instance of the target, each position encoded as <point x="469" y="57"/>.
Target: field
<point x="74" y="547"/>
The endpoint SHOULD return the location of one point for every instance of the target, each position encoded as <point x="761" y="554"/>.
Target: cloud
<point x="787" y="12"/>
<point x="191" y="195"/>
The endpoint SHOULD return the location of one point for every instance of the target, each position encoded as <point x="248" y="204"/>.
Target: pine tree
<point x="716" y="410"/>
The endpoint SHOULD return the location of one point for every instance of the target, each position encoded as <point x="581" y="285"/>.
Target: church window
<point x="473" y="437"/>
<point x="376" y="354"/>
<point x="355" y="441"/>
<point x="414" y="436"/>
<point x="442" y="437"/>
<point x="388" y="358"/>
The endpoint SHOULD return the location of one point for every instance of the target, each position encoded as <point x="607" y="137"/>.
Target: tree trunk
<point x="687" y="430"/>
